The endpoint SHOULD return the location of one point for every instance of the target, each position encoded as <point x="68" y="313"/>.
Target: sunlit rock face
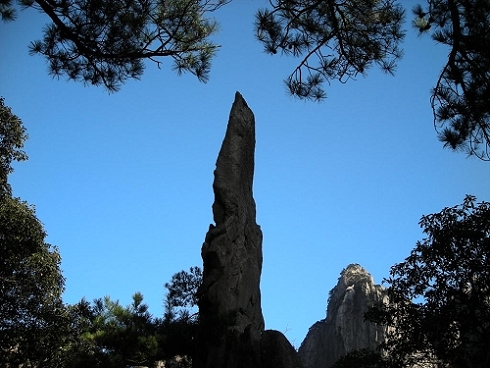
<point x="344" y="329"/>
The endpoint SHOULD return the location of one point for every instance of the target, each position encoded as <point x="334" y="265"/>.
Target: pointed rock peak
<point x="344" y="329"/>
<point x="235" y="165"/>
<point x="352" y="278"/>
<point x="355" y="268"/>
<point x="229" y="305"/>
<point x="241" y="114"/>
<point x="239" y="99"/>
<point x="354" y="273"/>
<point x="231" y="322"/>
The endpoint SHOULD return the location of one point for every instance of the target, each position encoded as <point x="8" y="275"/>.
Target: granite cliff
<point x="344" y="328"/>
<point x="232" y="325"/>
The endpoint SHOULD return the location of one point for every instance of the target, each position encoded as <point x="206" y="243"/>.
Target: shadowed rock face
<point x="344" y="329"/>
<point x="229" y="298"/>
<point x="277" y="352"/>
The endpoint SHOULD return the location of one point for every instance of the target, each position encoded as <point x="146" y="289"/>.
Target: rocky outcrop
<point x="277" y="351"/>
<point x="344" y="328"/>
<point x="229" y="298"/>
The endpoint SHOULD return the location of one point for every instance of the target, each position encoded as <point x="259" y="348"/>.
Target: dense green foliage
<point x="12" y="138"/>
<point x="32" y="314"/>
<point x="439" y="297"/>
<point x="31" y="310"/>
<point x="343" y="37"/>
<point x="461" y="97"/>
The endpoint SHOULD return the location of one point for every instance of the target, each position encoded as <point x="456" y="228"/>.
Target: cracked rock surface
<point x="229" y="297"/>
<point x="344" y="329"/>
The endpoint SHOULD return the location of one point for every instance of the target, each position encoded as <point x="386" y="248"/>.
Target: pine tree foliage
<point x="181" y="318"/>
<point x="182" y="293"/>
<point x="7" y="12"/>
<point x="439" y="297"/>
<point x="106" y="334"/>
<point x="105" y="42"/>
<point x="111" y="335"/>
<point x="461" y="97"/>
<point x="333" y="39"/>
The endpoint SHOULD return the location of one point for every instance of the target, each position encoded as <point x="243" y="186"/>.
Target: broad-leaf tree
<point x="31" y="311"/>
<point x="12" y="138"/>
<point x="439" y="297"/>
<point x="105" y="42"/>
<point x="461" y="97"/>
<point x="31" y="284"/>
<point x="332" y="39"/>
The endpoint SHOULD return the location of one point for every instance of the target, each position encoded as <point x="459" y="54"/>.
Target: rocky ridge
<point x="344" y="328"/>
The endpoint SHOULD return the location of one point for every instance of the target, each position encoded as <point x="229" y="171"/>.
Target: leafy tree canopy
<point x="439" y="297"/>
<point x="31" y="283"/>
<point x="12" y="138"/>
<point x="105" y="42"/>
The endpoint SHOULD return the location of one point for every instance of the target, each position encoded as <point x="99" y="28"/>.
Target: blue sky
<point x="123" y="182"/>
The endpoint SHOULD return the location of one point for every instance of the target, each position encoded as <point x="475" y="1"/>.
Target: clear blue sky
<point x="123" y="182"/>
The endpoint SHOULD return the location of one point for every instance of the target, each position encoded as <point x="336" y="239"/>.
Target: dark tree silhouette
<point x="107" y="334"/>
<point x="111" y="335"/>
<point x="12" y="138"/>
<point x="439" y="297"/>
<point x="461" y="97"/>
<point x="362" y="358"/>
<point x="333" y="39"/>
<point x="105" y="42"/>
<point x="31" y="283"/>
<point x="182" y="293"/>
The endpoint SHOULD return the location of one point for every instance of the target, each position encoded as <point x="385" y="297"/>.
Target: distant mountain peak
<point x="344" y="328"/>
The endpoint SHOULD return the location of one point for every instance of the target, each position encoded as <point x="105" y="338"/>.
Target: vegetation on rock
<point x="438" y="307"/>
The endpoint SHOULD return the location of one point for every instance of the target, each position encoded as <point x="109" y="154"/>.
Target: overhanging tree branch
<point x="107" y="42"/>
<point x="356" y="33"/>
<point x="460" y="98"/>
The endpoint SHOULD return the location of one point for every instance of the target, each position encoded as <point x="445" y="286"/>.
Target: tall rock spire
<point x="229" y="298"/>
